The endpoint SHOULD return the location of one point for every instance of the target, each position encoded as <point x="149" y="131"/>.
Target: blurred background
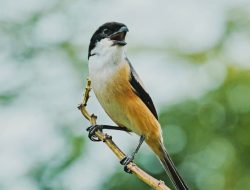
<point x="194" y="59"/>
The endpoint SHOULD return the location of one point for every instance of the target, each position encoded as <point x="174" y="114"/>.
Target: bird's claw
<point x="92" y="129"/>
<point x="125" y="161"/>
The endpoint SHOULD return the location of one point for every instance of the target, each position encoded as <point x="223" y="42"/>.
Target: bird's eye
<point x="106" y="31"/>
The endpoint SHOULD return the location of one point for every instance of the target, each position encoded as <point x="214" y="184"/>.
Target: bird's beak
<point x="118" y="37"/>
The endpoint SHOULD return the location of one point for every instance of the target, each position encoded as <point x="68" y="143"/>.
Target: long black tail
<point x="172" y="171"/>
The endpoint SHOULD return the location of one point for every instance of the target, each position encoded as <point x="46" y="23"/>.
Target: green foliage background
<point x="208" y="137"/>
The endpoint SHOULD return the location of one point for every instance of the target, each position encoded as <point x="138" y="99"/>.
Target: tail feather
<point x="172" y="171"/>
<point x="157" y="146"/>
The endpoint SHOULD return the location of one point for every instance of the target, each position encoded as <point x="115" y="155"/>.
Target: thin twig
<point x="142" y="175"/>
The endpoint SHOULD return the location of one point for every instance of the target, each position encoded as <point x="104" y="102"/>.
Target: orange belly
<point x="124" y="107"/>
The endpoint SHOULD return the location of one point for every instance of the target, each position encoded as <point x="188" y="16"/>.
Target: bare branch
<point x="142" y="175"/>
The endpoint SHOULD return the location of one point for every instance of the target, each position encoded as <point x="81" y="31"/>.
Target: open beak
<point x="118" y="37"/>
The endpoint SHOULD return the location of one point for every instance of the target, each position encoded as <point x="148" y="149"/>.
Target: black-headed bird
<point x="122" y="95"/>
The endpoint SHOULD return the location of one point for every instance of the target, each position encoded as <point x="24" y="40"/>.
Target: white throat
<point x="105" y="51"/>
<point x="104" y="61"/>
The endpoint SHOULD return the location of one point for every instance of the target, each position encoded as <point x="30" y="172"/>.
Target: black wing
<point x="139" y="90"/>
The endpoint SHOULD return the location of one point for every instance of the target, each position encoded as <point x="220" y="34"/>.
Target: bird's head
<point x="110" y="35"/>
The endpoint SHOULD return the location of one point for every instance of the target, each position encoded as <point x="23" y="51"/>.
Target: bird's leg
<point x="127" y="159"/>
<point x="92" y="129"/>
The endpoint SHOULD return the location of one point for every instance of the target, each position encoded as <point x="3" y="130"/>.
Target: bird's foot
<point x="92" y="129"/>
<point x="125" y="161"/>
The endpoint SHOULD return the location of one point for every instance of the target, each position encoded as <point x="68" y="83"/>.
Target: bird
<point x="122" y="95"/>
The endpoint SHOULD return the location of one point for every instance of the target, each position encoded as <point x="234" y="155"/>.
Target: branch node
<point x="93" y="116"/>
<point x="79" y="106"/>
<point x="106" y="137"/>
<point x="161" y="183"/>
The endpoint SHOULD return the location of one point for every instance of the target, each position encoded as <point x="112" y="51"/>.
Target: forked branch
<point x="142" y="175"/>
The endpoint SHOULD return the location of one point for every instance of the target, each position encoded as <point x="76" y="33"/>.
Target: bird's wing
<point x="140" y="91"/>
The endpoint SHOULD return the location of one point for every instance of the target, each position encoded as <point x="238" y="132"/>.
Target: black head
<point x="115" y="31"/>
